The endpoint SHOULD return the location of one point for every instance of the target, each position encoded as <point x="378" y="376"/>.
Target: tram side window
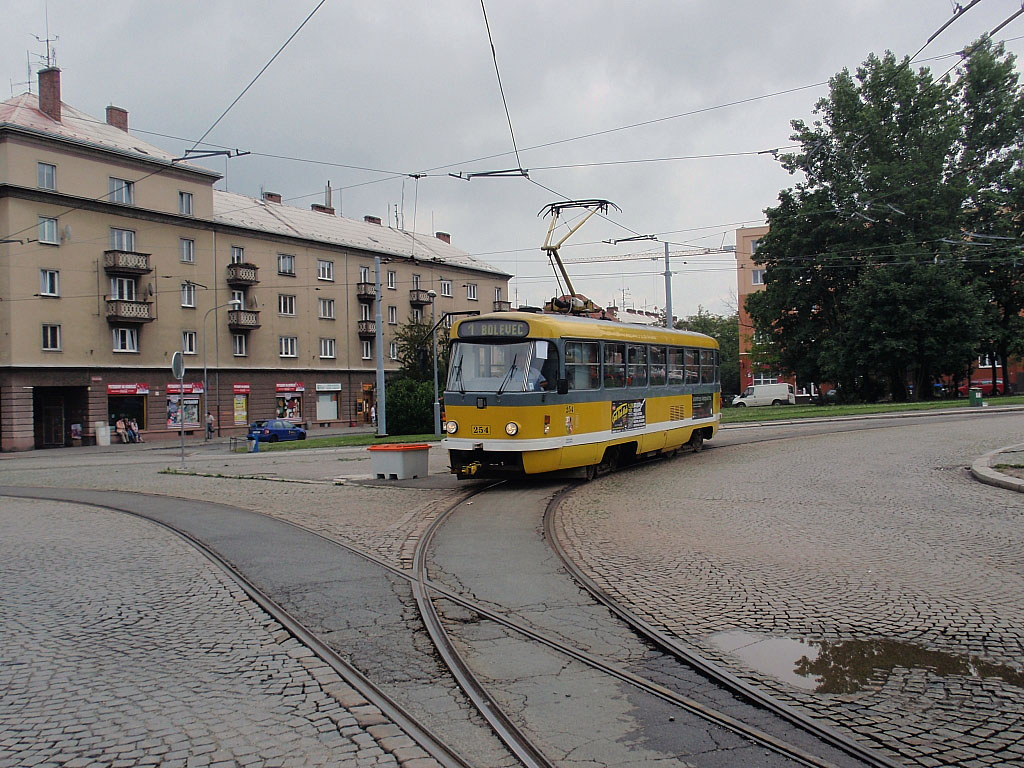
<point x="707" y="366"/>
<point x="692" y="366"/>
<point x="718" y="367"/>
<point x="583" y="364"/>
<point x="543" y="373"/>
<point x="658" y="370"/>
<point x="614" y="365"/>
<point x="676" y="366"/>
<point x="636" y="372"/>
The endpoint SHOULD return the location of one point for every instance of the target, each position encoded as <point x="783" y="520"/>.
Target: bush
<point x="410" y="408"/>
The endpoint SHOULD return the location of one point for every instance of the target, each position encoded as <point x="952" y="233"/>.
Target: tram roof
<point x="550" y="326"/>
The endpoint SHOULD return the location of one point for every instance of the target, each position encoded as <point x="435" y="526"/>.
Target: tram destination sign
<point x="490" y="329"/>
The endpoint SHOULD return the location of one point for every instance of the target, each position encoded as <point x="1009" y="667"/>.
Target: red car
<point x="984" y="386"/>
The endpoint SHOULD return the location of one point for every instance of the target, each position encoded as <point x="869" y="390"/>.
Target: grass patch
<point x="768" y="413"/>
<point x="343" y="441"/>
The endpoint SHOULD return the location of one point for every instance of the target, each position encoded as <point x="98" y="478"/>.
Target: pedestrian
<point x="209" y="425"/>
<point x="373" y="415"/>
<point x="133" y="431"/>
<point x="122" y="429"/>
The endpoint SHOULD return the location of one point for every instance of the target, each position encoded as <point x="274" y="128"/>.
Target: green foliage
<point x="410" y="406"/>
<point x="871" y="281"/>
<point x="414" y="354"/>
<point x="725" y="330"/>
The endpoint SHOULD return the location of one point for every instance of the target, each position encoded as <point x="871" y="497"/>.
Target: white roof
<point x="263" y="216"/>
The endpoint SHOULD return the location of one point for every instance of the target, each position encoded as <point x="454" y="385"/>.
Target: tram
<point x="530" y="392"/>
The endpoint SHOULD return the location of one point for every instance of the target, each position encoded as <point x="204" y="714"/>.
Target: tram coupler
<point x="469" y="470"/>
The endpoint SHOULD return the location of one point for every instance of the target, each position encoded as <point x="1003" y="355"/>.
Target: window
<point x="126" y="339"/>
<point x="188" y="342"/>
<point x="288" y="346"/>
<point x="326" y="307"/>
<point x="497" y="293"/>
<point x="187" y="250"/>
<point x="636" y="367"/>
<point x="417" y="315"/>
<point x="46" y="175"/>
<point x="765" y="378"/>
<point x="327" y="347"/>
<point x="707" y="366"/>
<point x="676" y="365"/>
<point x="757" y="276"/>
<point x="51" y="338"/>
<point x="364" y="275"/>
<point x="238" y="344"/>
<point x="367" y="350"/>
<point x="753" y="246"/>
<point x="48" y="231"/>
<point x="122" y="288"/>
<point x="324" y="270"/>
<point x="49" y="282"/>
<point x="122" y="191"/>
<point x="364" y="312"/>
<point x="285" y="264"/>
<point x="393" y="350"/>
<point x="658" y="369"/>
<point x="415" y="282"/>
<point x="614" y="365"/>
<point x="471" y="291"/>
<point x="122" y="239"/>
<point x="237" y="254"/>
<point x="986" y="361"/>
<point x="446" y="288"/>
<point x="391" y="279"/>
<point x="188" y="294"/>
<point x="285" y="304"/>
<point x="692" y="366"/>
<point x="185" y="203"/>
<point x="582" y="365"/>
<point x="238" y="297"/>
<point x="392" y="315"/>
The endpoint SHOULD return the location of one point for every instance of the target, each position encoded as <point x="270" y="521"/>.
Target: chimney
<point x="49" y="92"/>
<point x="117" y="117"/>
<point x="372" y="220"/>
<point x="444" y="237"/>
<point x="272" y="197"/>
<point x="322" y="208"/>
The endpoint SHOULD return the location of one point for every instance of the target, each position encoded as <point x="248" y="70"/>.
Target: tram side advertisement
<point x="628" y="414"/>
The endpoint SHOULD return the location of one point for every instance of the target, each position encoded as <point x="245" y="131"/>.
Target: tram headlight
<point x="511" y="429"/>
<point x="451" y="427"/>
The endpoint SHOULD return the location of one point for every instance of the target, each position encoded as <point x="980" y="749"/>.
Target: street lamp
<point x="234" y="304"/>
<point x="433" y="350"/>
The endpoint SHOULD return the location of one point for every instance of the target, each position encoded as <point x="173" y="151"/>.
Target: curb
<point x="962" y="411"/>
<point x="982" y="470"/>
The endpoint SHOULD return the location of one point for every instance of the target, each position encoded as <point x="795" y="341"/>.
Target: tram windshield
<point x="519" y="366"/>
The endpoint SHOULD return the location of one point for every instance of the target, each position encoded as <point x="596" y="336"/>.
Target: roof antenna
<point x="50" y="57"/>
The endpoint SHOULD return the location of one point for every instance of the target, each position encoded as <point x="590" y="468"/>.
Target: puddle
<point x="846" y="666"/>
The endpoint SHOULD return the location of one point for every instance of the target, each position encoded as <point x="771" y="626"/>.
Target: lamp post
<point x="433" y="351"/>
<point x="236" y="304"/>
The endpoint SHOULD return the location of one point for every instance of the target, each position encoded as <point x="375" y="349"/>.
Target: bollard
<point x="254" y="445"/>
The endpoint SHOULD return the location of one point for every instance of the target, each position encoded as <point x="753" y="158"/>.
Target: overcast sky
<point x="403" y="87"/>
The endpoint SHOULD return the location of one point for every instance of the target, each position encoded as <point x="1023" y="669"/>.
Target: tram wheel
<point x="697" y="442"/>
<point x="591" y="472"/>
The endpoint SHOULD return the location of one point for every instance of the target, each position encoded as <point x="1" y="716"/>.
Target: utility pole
<point x="668" y="291"/>
<point x="382" y="424"/>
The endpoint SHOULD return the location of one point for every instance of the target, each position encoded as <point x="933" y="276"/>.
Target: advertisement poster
<point x="289" y="400"/>
<point x="628" y="414"/>
<point x="241" y="409"/>
<point x="175" y="409"/>
<point x="702" y="406"/>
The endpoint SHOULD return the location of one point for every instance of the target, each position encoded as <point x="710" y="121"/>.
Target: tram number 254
<point x="481" y="430"/>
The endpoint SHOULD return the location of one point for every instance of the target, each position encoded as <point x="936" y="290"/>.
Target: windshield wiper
<point x="457" y="378"/>
<point x="508" y="376"/>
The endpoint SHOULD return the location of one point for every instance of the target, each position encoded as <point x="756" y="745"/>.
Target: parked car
<point x="766" y="394"/>
<point x="273" y="430"/>
<point x="984" y="386"/>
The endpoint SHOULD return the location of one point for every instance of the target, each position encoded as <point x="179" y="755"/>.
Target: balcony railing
<point x="124" y="311"/>
<point x="366" y="291"/>
<point x="418" y="297"/>
<point x="126" y="262"/>
<point x="367" y="328"/>
<point x="502" y="306"/>
<point x="240" y="274"/>
<point x="243" y="319"/>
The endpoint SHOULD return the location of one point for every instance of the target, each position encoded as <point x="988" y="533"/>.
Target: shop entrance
<point x="58" y="415"/>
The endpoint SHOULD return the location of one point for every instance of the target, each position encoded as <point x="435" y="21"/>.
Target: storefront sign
<point x="241" y="389"/>
<point x="127" y="389"/>
<point x="289" y="386"/>
<point x="190" y="389"/>
<point x="328" y="387"/>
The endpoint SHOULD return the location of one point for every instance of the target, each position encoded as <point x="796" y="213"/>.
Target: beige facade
<point x="101" y="281"/>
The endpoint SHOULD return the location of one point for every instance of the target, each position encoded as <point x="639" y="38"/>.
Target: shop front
<point x="127" y="401"/>
<point x="183" y="401"/>
<point x="289" y="400"/>
<point x="59" y="415"/>
<point x="327" y="397"/>
<point x="240" y="404"/>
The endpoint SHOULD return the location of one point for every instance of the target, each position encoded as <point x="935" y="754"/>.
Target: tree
<point x="725" y="330"/>
<point x="862" y="286"/>
<point x="414" y="353"/>
<point x="410" y="406"/>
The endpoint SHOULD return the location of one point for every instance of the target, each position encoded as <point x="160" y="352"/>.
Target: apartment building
<point x="114" y="255"/>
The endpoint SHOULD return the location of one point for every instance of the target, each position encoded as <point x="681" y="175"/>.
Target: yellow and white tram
<point x="530" y="392"/>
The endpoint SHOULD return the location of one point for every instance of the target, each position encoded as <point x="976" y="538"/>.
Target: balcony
<point x="124" y="311"/>
<point x="366" y="291"/>
<point x="503" y="306"/>
<point x="367" y="329"/>
<point x="241" y="274"/>
<point x="243" y="319"/>
<point x="418" y="297"/>
<point x="126" y="263"/>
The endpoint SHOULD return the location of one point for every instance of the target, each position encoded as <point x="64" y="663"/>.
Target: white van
<point x="766" y="394"/>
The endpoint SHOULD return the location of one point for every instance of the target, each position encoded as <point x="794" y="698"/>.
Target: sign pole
<point x="178" y="371"/>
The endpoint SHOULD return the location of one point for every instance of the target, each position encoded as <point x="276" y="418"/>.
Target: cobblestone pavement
<point x="123" y="646"/>
<point x="899" y="575"/>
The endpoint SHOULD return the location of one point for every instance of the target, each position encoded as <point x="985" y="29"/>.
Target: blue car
<point x="273" y="430"/>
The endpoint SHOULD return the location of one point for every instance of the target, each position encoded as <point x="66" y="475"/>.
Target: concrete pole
<point x="382" y="424"/>
<point x="668" y="291"/>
